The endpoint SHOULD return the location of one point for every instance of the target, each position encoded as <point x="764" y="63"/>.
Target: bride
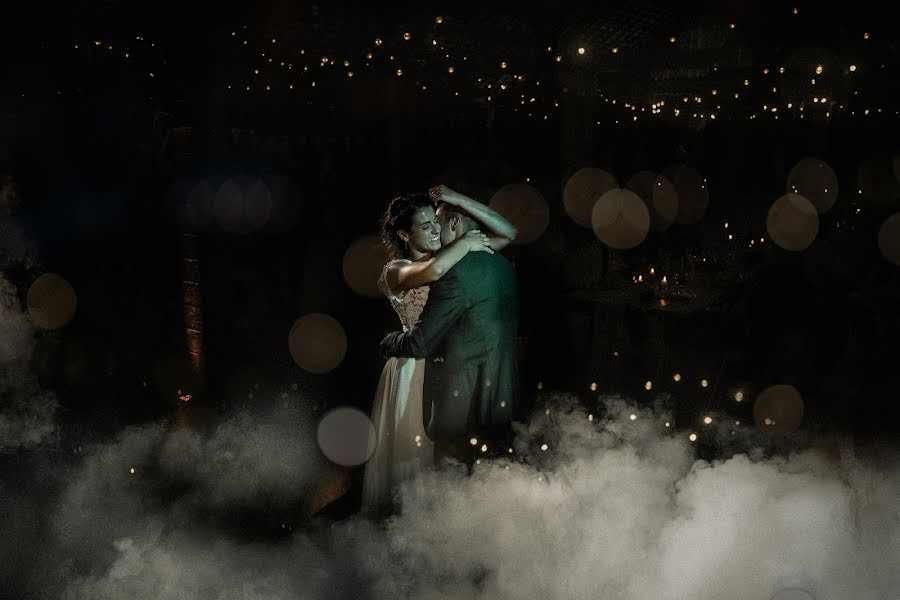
<point x="412" y="233"/>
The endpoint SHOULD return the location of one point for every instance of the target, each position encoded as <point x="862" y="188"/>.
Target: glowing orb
<point x="779" y="409"/>
<point x="793" y="222"/>
<point x="51" y="301"/>
<point x="346" y="436"/>
<point x="524" y="207"/>
<point x="362" y="266"/>
<point x="317" y="343"/>
<point x="815" y="181"/>
<point x="583" y="189"/>
<point x="620" y="219"/>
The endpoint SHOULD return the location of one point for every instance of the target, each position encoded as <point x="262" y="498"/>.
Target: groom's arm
<point x="446" y="302"/>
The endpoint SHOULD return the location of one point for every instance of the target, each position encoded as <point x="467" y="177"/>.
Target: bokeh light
<point x="317" y="343"/>
<point x="815" y="181"/>
<point x="889" y="239"/>
<point x="793" y="222"/>
<point x="523" y="206"/>
<point x="778" y="409"/>
<point x="51" y="301"/>
<point x="583" y="189"/>
<point x="692" y="194"/>
<point x="346" y="436"/>
<point x="362" y="265"/>
<point x="620" y="219"/>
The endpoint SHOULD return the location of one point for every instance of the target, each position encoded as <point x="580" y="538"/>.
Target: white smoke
<point x="28" y="413"/>
<point x="615" y="508"/>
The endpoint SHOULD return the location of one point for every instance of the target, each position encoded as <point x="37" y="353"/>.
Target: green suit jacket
<point x="467" y="334"/>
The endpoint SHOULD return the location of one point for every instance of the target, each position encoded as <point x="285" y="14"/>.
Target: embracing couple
<point x="451" y="374"/>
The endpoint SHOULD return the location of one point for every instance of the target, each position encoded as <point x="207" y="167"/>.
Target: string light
<point x="707" y="420"/>
<point x="704" y="383"/>
<point x="648" y="386"/>
<point x="544" y="447"/>
<point x="407" y="36"/>
<point x="852" y="68"/>
<point x="581" y="51"/>
<point x="693" y="437"/>
<point x="677" y="377"/>
<point x="739" y="396"/>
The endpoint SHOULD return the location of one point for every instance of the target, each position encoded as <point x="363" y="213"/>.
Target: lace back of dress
<point x="407" y="304"/>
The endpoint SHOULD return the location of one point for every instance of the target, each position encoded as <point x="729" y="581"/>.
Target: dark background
<point x="102" y="158"/>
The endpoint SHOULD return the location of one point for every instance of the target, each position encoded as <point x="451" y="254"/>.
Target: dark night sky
<point x="128" y="131"/>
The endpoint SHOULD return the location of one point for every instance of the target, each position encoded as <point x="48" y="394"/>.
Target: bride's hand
<point x="476" y="241"/>
<point x="441" y="193"/>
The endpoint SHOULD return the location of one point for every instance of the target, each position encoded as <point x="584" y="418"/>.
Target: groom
<point x="467" y="334"/>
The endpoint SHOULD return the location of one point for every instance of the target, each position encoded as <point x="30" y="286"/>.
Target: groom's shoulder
<point x="476" y="264"/>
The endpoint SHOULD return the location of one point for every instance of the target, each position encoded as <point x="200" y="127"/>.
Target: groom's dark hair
<point x="448" y="212"/>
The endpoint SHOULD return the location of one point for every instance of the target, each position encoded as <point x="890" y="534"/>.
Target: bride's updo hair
<point x="398" y="216"/>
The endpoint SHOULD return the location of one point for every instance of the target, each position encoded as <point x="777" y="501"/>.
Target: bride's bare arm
<point x="415" y="274"/>
<point x="501" y="232"/>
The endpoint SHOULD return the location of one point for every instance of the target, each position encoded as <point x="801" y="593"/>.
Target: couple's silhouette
<point x="451" y="374"/>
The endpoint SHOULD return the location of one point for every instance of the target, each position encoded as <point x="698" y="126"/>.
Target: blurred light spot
<point x="815" y="181"/>
<point x="582" y="190"/>
<point x="362" y="265"/>
<point x="544" y="447"/>
<point x="648" y="386"/>
<point x="793" y="222"/>
<point x="677" y="377"/>
<point x="51" y="301"/>
<point x="704" y="383"/>
<point x="620" y="219"/>
<point x="484" y="447"/>
<point x="693" y="437"/>
<point x="346" y="436"/>
<point x="473" y="441"/>
<point x="779" y="409"/>
<point x="317" y="343"/>
<point x="739" y="396"/>
<point x="633" y="417"/>
<point x="707" y="420"/>
<point x="525" y="207"/>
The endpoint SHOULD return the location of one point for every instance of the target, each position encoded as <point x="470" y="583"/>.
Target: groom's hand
<point x="388" y="345"/>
